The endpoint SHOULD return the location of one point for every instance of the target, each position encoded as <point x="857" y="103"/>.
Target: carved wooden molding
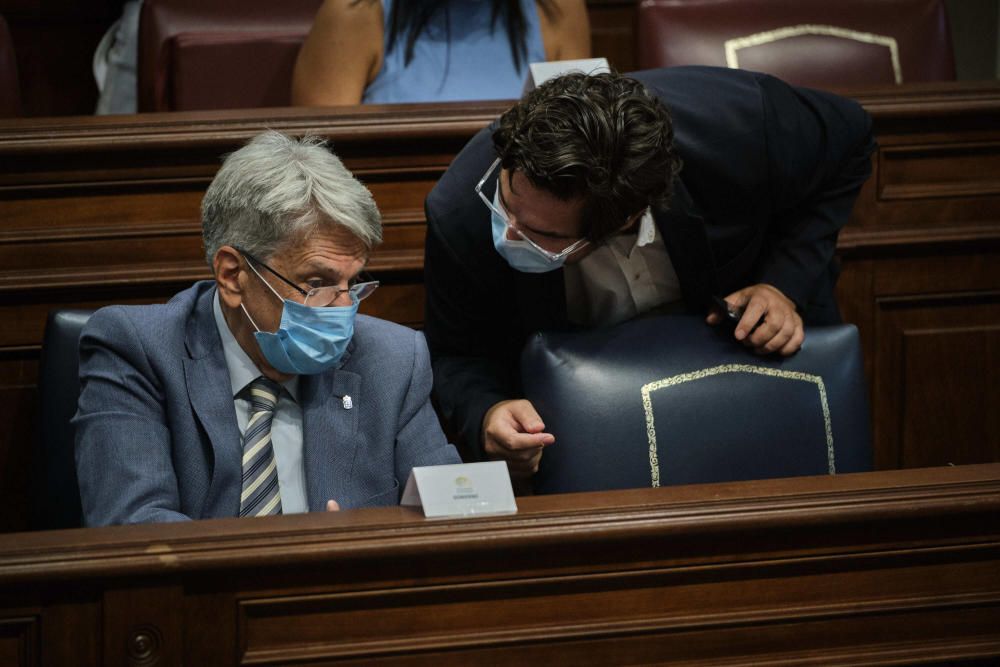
<point x="895" y="567"/>
<point x="892" y="504"/>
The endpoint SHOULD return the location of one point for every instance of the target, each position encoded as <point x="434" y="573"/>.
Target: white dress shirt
<point x="626" y="276"/>
<point x="286" y="425"/>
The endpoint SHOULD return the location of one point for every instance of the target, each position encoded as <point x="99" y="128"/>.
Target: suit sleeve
<point x="123" y="445"/>
<point x="819" y="150"/>
<point x="470" y="332"/>
<point x="419" y="439"/>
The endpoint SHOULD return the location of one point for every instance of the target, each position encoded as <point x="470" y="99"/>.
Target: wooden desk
<point x="106" y="210"/>
<point x="899" y="567"/>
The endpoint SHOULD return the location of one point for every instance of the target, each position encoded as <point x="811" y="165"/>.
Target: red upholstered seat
<point x="10" y="94"/>
<point x="222" y="54"/>
<point x="818" y="43"/>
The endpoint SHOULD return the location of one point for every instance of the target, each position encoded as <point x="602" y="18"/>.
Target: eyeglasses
<point x="319" y="297"/>
<point x="548" y="254"/>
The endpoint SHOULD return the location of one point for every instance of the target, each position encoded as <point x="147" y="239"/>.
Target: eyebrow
<point x="328" y="274"/>
<point x="539" y="232"/>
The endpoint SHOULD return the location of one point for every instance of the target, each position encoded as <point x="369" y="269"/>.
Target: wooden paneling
<point x="933" y="172"/>
<point x="143" y="625"/>
<point x="612" y="32"/>
<point x="73" y="613"/>
<point x="19" y="641"/>
<point x="921" y="280"/>
<point x="899" y="567"/>
<point x="936" y="392"/>
<point x="106" y="210"/>
<point x="921" y="277"/>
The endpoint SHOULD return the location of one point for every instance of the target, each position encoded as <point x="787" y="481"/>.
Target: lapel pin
<point x="348" y="403"/>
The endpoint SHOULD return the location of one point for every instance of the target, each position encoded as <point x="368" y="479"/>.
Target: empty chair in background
<point x="225" y="54"/>
<point x="805" y="42"/>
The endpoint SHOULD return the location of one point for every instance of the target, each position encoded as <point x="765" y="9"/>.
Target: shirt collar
<point x="242" y="371"/>
<point x="645" y="235"/>
<point x="647" y="230"/>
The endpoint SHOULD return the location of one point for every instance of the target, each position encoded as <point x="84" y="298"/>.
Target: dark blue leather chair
<point x="56" y="502"/>
<point x="669" y="400"/>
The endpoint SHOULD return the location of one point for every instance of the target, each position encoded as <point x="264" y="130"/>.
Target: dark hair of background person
<point x="408" y="19"/>
<point x="604" y="137"/>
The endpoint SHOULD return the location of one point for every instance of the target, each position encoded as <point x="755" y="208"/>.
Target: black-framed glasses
<point x="319" y="297"/>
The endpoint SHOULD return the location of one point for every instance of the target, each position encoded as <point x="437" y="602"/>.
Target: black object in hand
<point x="731" y="315"/>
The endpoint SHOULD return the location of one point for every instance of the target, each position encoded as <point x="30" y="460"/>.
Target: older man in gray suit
<point x="259" y="392"/>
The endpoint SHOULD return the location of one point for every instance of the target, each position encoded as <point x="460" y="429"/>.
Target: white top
<point x="286" y="425"/>
<point x="626" y="276"/>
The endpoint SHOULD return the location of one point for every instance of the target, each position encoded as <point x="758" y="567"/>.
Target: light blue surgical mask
<point x="521" y="254"/>
<point x="309" y="339"/>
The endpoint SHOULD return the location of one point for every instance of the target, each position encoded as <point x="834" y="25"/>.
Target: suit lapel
<point x="684" y="235"/>
<point x="210" y="392"/>
<point x="329" y="435"/>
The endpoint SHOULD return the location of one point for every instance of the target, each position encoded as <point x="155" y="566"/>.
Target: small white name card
<point x="464" y="489"/>
<point x="539" y="73"/>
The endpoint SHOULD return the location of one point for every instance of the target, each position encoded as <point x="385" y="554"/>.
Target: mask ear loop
<point x="257" y="273"/>
<point x="249" y="318"/>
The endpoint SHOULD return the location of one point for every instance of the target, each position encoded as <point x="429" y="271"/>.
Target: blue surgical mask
<point x="309" y="339"/>
<point x="520" y="254"/>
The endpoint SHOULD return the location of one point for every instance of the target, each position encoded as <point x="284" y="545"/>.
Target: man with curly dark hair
<point x="601" y="198"/>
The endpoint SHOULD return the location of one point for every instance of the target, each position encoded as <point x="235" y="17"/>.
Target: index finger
<point x="515" y="441"/>
<point x="752" y="315"/>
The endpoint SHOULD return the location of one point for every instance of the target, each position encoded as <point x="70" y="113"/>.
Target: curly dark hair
<point x="604" y="137"/>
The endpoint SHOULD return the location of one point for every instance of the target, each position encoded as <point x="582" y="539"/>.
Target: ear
<point x="230" y="278"/>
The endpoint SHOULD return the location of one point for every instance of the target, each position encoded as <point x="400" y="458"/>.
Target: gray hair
<point x="276" y="188"/>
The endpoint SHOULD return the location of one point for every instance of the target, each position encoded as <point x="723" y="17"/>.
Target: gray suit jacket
<point x="156" y="431"/>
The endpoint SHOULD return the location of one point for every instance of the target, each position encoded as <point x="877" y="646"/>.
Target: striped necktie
<point x="260" y="496"/>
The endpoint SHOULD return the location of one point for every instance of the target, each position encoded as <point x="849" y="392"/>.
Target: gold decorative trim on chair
<point x="769" y="36"/>
<point x="647" y="404"/>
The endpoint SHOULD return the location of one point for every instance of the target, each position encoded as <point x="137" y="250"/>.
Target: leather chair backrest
<point x="670" y="400"/>
<point x="815" y="43"/>
<point x="56" y="502"/>
<point x="224" y="54"/>
<point x="10" y="93"/>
